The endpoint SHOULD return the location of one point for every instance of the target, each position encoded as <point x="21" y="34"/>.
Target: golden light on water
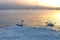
<point x="46" y="3"/>
<point x="57" y="20"/>
<point x="57" y="15"/>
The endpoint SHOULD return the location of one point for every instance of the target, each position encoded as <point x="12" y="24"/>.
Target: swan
<point x="20" y="24"/>
<point x="49" y="24"/>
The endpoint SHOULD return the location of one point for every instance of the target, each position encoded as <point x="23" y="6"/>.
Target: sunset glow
<point x="46" y="3"/>
<point x="50" y="3"/>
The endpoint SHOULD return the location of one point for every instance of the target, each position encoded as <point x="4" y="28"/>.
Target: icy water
<point x="35" y="18"/>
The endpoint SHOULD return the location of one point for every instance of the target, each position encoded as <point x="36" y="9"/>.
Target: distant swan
<point x="49" y="24"/>
<point x="20" y="24"/>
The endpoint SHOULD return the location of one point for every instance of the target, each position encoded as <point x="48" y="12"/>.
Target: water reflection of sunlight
<point x="57" y="15"/>
<point x="57" y="20"/>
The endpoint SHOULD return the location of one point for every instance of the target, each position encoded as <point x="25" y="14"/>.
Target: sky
<point x="28" y="3"/>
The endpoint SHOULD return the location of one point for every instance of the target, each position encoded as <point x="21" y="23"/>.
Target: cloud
<point x="16" y="4"/>
<point x="7" y="1"/>
<point x="22" y="4"/>
<point x="28" y="2"/>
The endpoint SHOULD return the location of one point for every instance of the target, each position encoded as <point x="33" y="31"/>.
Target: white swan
<point x="20" y="24"/>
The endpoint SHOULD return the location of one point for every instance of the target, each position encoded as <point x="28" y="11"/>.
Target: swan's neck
<point x="22" y="22"/>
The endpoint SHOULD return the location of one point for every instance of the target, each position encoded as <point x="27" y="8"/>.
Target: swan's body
<point x="19" y="25"/>
<point x="50" y="24"/>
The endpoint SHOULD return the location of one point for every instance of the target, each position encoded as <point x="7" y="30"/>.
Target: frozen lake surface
<point x="28" y="33"/>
